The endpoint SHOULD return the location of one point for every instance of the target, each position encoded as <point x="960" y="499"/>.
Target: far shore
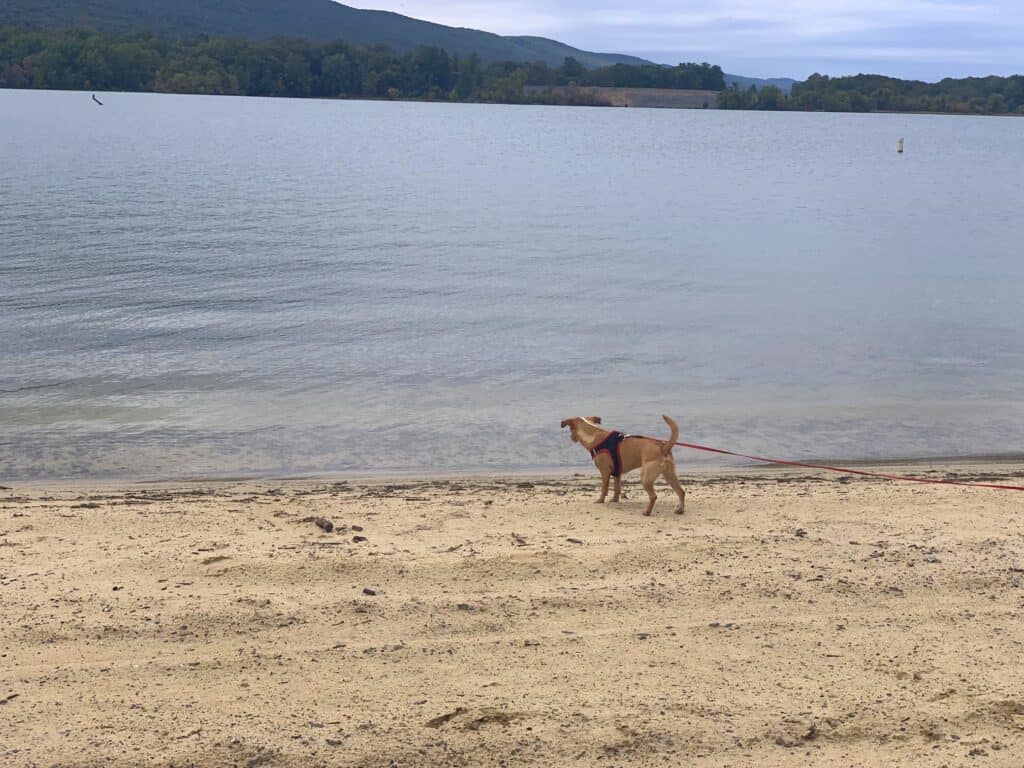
<point x="403" y="99"/>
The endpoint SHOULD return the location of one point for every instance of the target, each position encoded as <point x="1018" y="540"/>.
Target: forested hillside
<point x="82" y="60"/>
<point x="315" y="20"/>
<point x="876" y="93"/>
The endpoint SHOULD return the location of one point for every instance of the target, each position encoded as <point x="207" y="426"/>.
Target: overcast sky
<point x="926" y="39"/>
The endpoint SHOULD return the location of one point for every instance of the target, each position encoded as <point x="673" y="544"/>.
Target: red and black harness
<point x="612" y="445"/>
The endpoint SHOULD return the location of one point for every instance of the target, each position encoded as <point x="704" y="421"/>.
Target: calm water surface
<point x="209" y="285"/>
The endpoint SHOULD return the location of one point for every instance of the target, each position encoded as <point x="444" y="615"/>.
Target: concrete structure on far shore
<point x="668" y="98"/>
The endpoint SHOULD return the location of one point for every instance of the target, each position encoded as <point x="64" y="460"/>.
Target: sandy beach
<point x="789" y="618"/>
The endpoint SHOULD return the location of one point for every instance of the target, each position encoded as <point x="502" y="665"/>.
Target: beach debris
<point x="117" y="588"/>
<point x="931" y="558"/>
<point x="215" y="559"/>
<point x="357" y="539"/>
<point x="321" y="522"/>
<point x="10" y="697"/>
<point x="356" y="527"/>
<point x="519" y="540"/>
<point x="571" y="540"/>
<point x="800" y="533"/>
<point x="368" y="591"/>
<point x="493" y="716"/>
<point x="440" y="720"/>
<point x="465" y="607"/>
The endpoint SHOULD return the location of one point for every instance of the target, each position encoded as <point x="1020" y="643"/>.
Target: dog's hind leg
<point x="648" y="474"/>
<point x="673" y="480"/>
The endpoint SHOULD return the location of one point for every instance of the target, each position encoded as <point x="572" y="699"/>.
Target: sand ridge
<point x="789" y="618"/>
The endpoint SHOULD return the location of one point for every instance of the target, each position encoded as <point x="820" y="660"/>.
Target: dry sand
<point x="786" y="619"/>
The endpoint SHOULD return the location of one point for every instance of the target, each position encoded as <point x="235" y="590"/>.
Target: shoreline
<point x="713" y="467"/>
<point x="711" y="108"/>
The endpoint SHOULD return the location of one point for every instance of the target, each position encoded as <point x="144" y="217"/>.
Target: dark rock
<point x="356" y="527"/>
<point x="440" y="720"/>
<point x="368" y="591"/>
<point x="357" y="539"/>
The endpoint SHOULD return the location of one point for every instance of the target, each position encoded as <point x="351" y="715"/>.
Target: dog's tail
<point x="667" y="448"/>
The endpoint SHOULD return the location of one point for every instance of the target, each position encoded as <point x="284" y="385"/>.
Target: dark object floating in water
<point x="899" y="146"/>
<point x="97" y="100"/>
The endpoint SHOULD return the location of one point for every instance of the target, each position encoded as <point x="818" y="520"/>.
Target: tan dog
<point x="615" y="455"/>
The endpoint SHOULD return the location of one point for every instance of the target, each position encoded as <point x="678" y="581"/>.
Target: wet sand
<point x="789" y="618"/>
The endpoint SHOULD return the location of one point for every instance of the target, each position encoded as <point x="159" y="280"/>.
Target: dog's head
<point x="575" y="422"/>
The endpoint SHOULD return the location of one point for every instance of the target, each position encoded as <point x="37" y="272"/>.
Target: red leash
<point x="848" y="471"/>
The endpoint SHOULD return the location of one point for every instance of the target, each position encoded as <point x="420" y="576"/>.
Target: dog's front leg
<point x="604" y="487"/>
<point x="618" y="488"/>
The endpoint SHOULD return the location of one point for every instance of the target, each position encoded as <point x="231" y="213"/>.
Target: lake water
<point x="216" y="285"/>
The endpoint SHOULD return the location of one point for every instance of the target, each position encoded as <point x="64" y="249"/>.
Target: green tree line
<point x="90" y="60"/>
<point x="877" y="93"/>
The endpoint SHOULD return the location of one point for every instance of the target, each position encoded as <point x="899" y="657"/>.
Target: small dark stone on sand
<point x="357" y="539"/>
<point x="574" y="541"/>
<point x="324" y="524"/>
<point x="800" y="533"/>
<point x="356" y="527"/>
<point x="117" y="587"/>
<point x="440" y="720"/>
<point x="368" y="591"/>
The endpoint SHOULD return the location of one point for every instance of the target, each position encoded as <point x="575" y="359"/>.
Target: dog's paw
<point x="679" y="510"/>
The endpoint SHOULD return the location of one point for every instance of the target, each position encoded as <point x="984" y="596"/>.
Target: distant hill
<point x="784" y="84"/>
<point x="317" y="20"/>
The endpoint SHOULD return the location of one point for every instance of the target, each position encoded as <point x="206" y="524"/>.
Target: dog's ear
<point x="566" y="423"/>
<point x="594" y="419"/>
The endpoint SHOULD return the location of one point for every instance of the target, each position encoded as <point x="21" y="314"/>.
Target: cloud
<point x="916" y="38"/>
